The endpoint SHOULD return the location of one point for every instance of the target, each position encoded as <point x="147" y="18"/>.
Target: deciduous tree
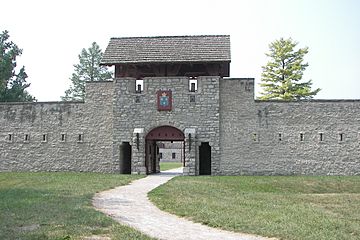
<point x="282" y="75"/>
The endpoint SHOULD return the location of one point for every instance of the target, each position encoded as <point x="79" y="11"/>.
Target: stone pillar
<point x="190" y="152"/>
<point x="138" y="152"/>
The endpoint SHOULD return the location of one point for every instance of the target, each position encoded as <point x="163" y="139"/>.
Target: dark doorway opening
<point x="152" y="157"/>
<point x="154" y="140"/>
<point x="205" y="159"/>
<point x="125" y="158"/>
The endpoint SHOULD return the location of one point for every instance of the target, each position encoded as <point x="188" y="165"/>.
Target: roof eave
<point x="172" y="62"/>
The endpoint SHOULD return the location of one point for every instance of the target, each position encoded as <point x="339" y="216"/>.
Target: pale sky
<point x="52" y="34"/>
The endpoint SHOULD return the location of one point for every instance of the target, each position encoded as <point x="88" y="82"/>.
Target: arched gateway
<point x="145" y="155"/>
<point x="156" y="135"/>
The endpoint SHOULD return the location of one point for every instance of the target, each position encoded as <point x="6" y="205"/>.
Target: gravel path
<point x="129" y="205"/>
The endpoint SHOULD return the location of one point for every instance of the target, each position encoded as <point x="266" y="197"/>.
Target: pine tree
<point x="282" y="75"/>
<point x="12" y="85"/>
<point x="88" y="69"/>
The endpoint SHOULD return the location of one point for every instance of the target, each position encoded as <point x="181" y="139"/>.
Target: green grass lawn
<point x="58" y="206"/>
<point x="169" y="165"/>
<point x="283" y="207"/>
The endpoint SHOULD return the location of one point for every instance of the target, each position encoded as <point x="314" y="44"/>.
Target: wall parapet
<point x="39" y="103"/>
<point x="245" y="79"/>
<point x="307" y="101"/>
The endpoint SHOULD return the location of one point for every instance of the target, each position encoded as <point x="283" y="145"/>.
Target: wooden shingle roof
<point x="138" y="50"/>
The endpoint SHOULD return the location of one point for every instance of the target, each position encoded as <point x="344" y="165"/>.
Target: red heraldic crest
<point x="164" y="100"/>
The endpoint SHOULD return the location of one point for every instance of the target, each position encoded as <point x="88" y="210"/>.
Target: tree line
<point x="281" y="77"/>
<point x="13" y="84"/>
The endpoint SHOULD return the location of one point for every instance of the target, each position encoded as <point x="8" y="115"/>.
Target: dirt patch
<point x="97" y="238"/>
<point x="29" y="228"/>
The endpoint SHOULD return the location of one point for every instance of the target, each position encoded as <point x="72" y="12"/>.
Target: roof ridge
<point x="178" y="36"/>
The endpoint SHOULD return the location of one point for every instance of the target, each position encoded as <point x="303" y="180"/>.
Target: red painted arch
<point x="165" y="133"/>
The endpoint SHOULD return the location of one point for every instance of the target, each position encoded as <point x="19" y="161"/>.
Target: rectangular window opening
<point x="137" y="99"/>
<point x="193" y="84"/>
<point x="139" y="86"/>
<point x="173" y="155"/>
<point x="255" y="137"/>
<point x="161" y="155"/>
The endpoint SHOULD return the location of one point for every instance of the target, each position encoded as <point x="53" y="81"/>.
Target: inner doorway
<point x="125" y="158"/>
<point x="157" y="139"/>
<point x="171" y="154"/>
<point x="205" y="159"/>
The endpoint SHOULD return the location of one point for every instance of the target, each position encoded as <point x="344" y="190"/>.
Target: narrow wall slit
<point x="301" y="137"/>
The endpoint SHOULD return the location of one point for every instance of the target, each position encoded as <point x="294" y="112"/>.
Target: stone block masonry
<point x="317" y="137"/>
<point x="246" y="136"/>
<point x="171" y="152"/>
<point x="58" y="136"/>
<point x="139" y="110"/>
<point x="222" y="129"/>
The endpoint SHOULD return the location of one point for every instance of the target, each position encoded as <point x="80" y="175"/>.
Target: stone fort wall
<point x="58" y="136"/>
<point x="318" y="137"/>
<point x="246" y="136"/>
